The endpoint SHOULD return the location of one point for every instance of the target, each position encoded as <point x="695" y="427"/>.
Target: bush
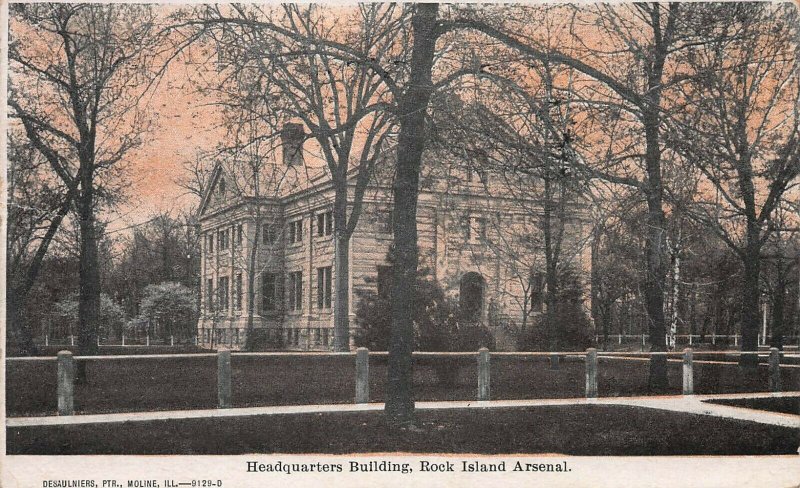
<point x="111" y="319"/>
<point x="436" y="327"/>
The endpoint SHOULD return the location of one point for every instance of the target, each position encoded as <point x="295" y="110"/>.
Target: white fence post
<point x="46" y="340"/>
<point x="591" y="373"/>
<point x="484" y="378"/>
<point x="688" y="373"/>
<point x="171" y="340"/>
<point x="774" y="369"/>
<point x="148" y="339"/>
<point x="123" y="339"/>
<point x="66" y="382"/>
<point x="362" y="375"/>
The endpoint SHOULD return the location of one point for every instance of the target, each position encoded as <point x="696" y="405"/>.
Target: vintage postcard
<point x="369" y="244"/>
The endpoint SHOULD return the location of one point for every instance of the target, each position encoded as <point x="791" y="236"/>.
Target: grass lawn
<point x="119" y="385"/>
<point x="576" y="430"/>
<point x="778" y="404"/>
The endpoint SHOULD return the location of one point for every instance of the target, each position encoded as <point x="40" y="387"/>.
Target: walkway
<point x="687" y="404"/>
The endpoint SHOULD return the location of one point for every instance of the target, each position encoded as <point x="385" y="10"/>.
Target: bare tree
<point x="77" y="76"/>
<point x="740" y="128"/>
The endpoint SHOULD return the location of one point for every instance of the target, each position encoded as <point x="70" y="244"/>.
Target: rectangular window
<point x="268" y="234"/>
<point x="296" y="290"/>
<point x="324" y="287"/>
<point x="476" y="230"/>
<point x="324" y="224"/>
<point x="210" y="242"/>
<point x="223" y="293"/>
<point x="210" y="295"/>
<point x="473" y="172"/>
<point x="269" y="291"/>
<point x="324" y="337"/>
<point x="239" y="235"/>
<point x="238" y="291"/>
<point x="384" y="221"/>
<point x="537" y="292"/>
<point x="384" y="281"/>
<point x="295" y="231"/>
<point x="224" y="239"/>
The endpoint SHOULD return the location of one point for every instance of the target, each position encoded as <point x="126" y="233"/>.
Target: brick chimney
<point x="292" y="137"/>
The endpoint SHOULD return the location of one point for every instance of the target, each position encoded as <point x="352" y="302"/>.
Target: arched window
<point x="471" y="296"/>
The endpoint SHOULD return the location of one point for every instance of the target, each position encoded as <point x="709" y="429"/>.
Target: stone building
<point x="479" y="239"/>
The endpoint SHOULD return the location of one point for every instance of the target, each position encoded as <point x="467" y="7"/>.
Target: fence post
<point x="688" y="373"/>
<point x="46" y="340"/>
<point x="554" y="358"/>
<point x="224" y="378"/>
<point x="123" y="339"/>
<point x="148" y="339"/>
<point x="362" y="375"/>
<point x="98" y="340"/>
<point x="774" y="369"/>
<point x="591" y="373"/>
<point x="714" y="338"/>
<point x="619" y="338"/>
<point x="171" y="340"/>
<point x="484" y="377"/>
<point x="735" y="339"/>
<point x="66" y="382"/>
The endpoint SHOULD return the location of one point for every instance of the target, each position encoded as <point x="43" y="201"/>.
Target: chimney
<point x="292" y="137"/>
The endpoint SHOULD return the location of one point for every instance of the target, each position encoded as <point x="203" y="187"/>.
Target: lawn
<point x="575" y="430"/>
<point x="777" y="404"/>
<point x="140" y="384"/>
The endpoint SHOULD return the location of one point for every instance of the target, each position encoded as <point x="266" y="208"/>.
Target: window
<point x="384" y="281"/>
<point x="268" y="234"/>
<point x="537" y="292"/>
<point x="325" y="224"/>
<point x="223" y="239"/>
<point x="237" y="285"/>
<point x="296" y="290"/>
<point x="223" y="293"/>
<point x="384" y="221"/>
<point x="324" y="287"/>
<point x="324" y="337"/>
<point x="210" y="242"/>
<point x="239" y="235"/>
<point x="210" y="295"/>
<point x="295" y="231"/>
<point x="476" y="230"/>
<point x="473" y="172"/>
<point x="269" y="291"/>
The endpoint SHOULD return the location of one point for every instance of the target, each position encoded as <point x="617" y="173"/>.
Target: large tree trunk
<point x="249" y="343"/>
<point x="89" y="296"/>
<point x="341" y="309"/>
<point x="656" y="266"/>
<point x="750" y="300"/>
<point x="411" y="111"/>
<point x="778" y="306"/>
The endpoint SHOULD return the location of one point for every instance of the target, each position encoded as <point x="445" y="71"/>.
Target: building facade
<point x="481" y="243"/>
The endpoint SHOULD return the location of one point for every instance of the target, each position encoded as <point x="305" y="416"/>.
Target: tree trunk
<point x="778" y="305"/>
<point x="411" y="111"/>
<point x="750" y="300"/>
<point x="89" y="296"/>
<point x="656" y="268"/>
<point x="249" y="343"/>
<point x="341" y="308"/>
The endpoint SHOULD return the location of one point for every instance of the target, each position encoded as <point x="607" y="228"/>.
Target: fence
<point x="66" y="369"/>
<point x="690" y="339"/>
<point x="123" y="341"/>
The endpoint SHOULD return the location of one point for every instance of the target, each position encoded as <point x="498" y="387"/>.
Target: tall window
<point x="268" y="234"/>
<point x="324" y="287"/>
<point x="295" y="231"/>
<point x="223" y="293"/>
<point x="384" y="221"/>
<point x="476" y="229"/>
<point x="210" y="295"/>
<point x="269" y="291"/>
<point x="223" y="239"/>
<point x="210" y="242"/>
<point x="237" y="285"/>
<point x="296" y="290"/>
<point x="384" y="281"/>
<point x="325" y="224"/>
<point x="537" y="286"/>
<point x="239" y="235"/>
